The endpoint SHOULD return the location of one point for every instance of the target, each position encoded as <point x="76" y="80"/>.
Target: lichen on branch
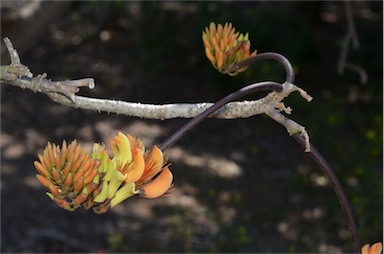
<point x="64" y="92"/>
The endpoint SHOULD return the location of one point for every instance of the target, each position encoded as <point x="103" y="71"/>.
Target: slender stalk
<point x="323" y="164"/>
<point x="267" y="85"/>
<point x="290" y="73"/>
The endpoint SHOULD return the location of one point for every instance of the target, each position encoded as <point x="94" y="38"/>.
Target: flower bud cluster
<point x="224" y="47"/>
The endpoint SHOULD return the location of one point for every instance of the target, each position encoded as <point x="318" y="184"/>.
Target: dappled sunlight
<point x="7" y="169"/>
<point x="147" y="132"/>
<point x="32" y="182"/>
<point x="319" y="180"/>
<point x="213" y="164"/>
<point x="13" y="147"/>
<point x="287" y="230"/>
<point x="240" y="185"/>
<point x="13" y="151"/>
<point x="313" y="214"/>
<point x="176" y="216"/>
<point x="141" y="209"/>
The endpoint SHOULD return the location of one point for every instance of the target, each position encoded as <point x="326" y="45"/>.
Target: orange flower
<point x="140" y="167"/>
<point x="133" y="172"/>
<point x="76" y="179"/>
<point x="374" y="249"/>
<point x="224" y="47"/>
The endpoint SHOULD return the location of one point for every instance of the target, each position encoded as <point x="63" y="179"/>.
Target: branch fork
<point x="18" y="74"/>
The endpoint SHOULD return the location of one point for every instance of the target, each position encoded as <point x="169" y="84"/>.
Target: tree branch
<point x="63" y="92"/>
<point x="231" y="110"/>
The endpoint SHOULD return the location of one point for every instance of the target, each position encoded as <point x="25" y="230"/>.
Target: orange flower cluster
<point x="224" y="47"/>
<point x="76" y="179"/>
<point x="374" y="249"/>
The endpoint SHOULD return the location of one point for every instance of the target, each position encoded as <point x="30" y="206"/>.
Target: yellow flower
<point x="374" y="249"/>
<point x="224" y="47"/>
<point x="138" y="172"/>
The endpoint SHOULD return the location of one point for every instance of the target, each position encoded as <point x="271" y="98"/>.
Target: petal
<point x="113" y="145"/>
<point x="220" y="61"/>
<point x="123" y="154"/>
<point x="206" y="41"/>
<point x="102" y="196"/>
<point x="153" y="164"/>
<point x="68" y="181"/>
<point x="212" y="28"/>
<point x="209" y="55"/>
<point x="365" y="249"/>
<point x="56" y="175"/>
<point x="219" y="30"/>
<point x="90" y="176"/>
<point x="136" y="169"/>
<point x="54" y="190"/>
<point x="44" y="181"/>
<point x="376" y="248"/>
<point x="159" y="186"/>
<point x="78" y="185"/>
<point x="42" y="170"/>
<point x="123" y="193"/>
<point x="63" y="154"/>
<point x="135" y="143"/>
<point x="116" y="180"/>
<point x="81" y="198"/>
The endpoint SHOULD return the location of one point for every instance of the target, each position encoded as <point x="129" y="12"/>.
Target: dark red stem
<point x="269" y="85"/>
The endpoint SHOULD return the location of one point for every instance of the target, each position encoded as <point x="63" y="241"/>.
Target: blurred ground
<point x="241" y="185"/>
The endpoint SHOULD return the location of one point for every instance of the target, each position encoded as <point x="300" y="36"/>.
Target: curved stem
<point x="267" y="85"/>
<point x="323" y="164"/>
<point x="290" y="74"/>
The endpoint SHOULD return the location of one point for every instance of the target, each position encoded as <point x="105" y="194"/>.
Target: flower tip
<point x="122" y="149"/>
<point x="156" y="160"/>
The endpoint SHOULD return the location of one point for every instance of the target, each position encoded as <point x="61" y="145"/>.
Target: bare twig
<point x="42" y="85"/>
<point x="18" y="74"/>
<point x="351" y="24"/>
<point x="15" y="59"/>
<point x="350" y="36"/>
<point x="15" y="69"/>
